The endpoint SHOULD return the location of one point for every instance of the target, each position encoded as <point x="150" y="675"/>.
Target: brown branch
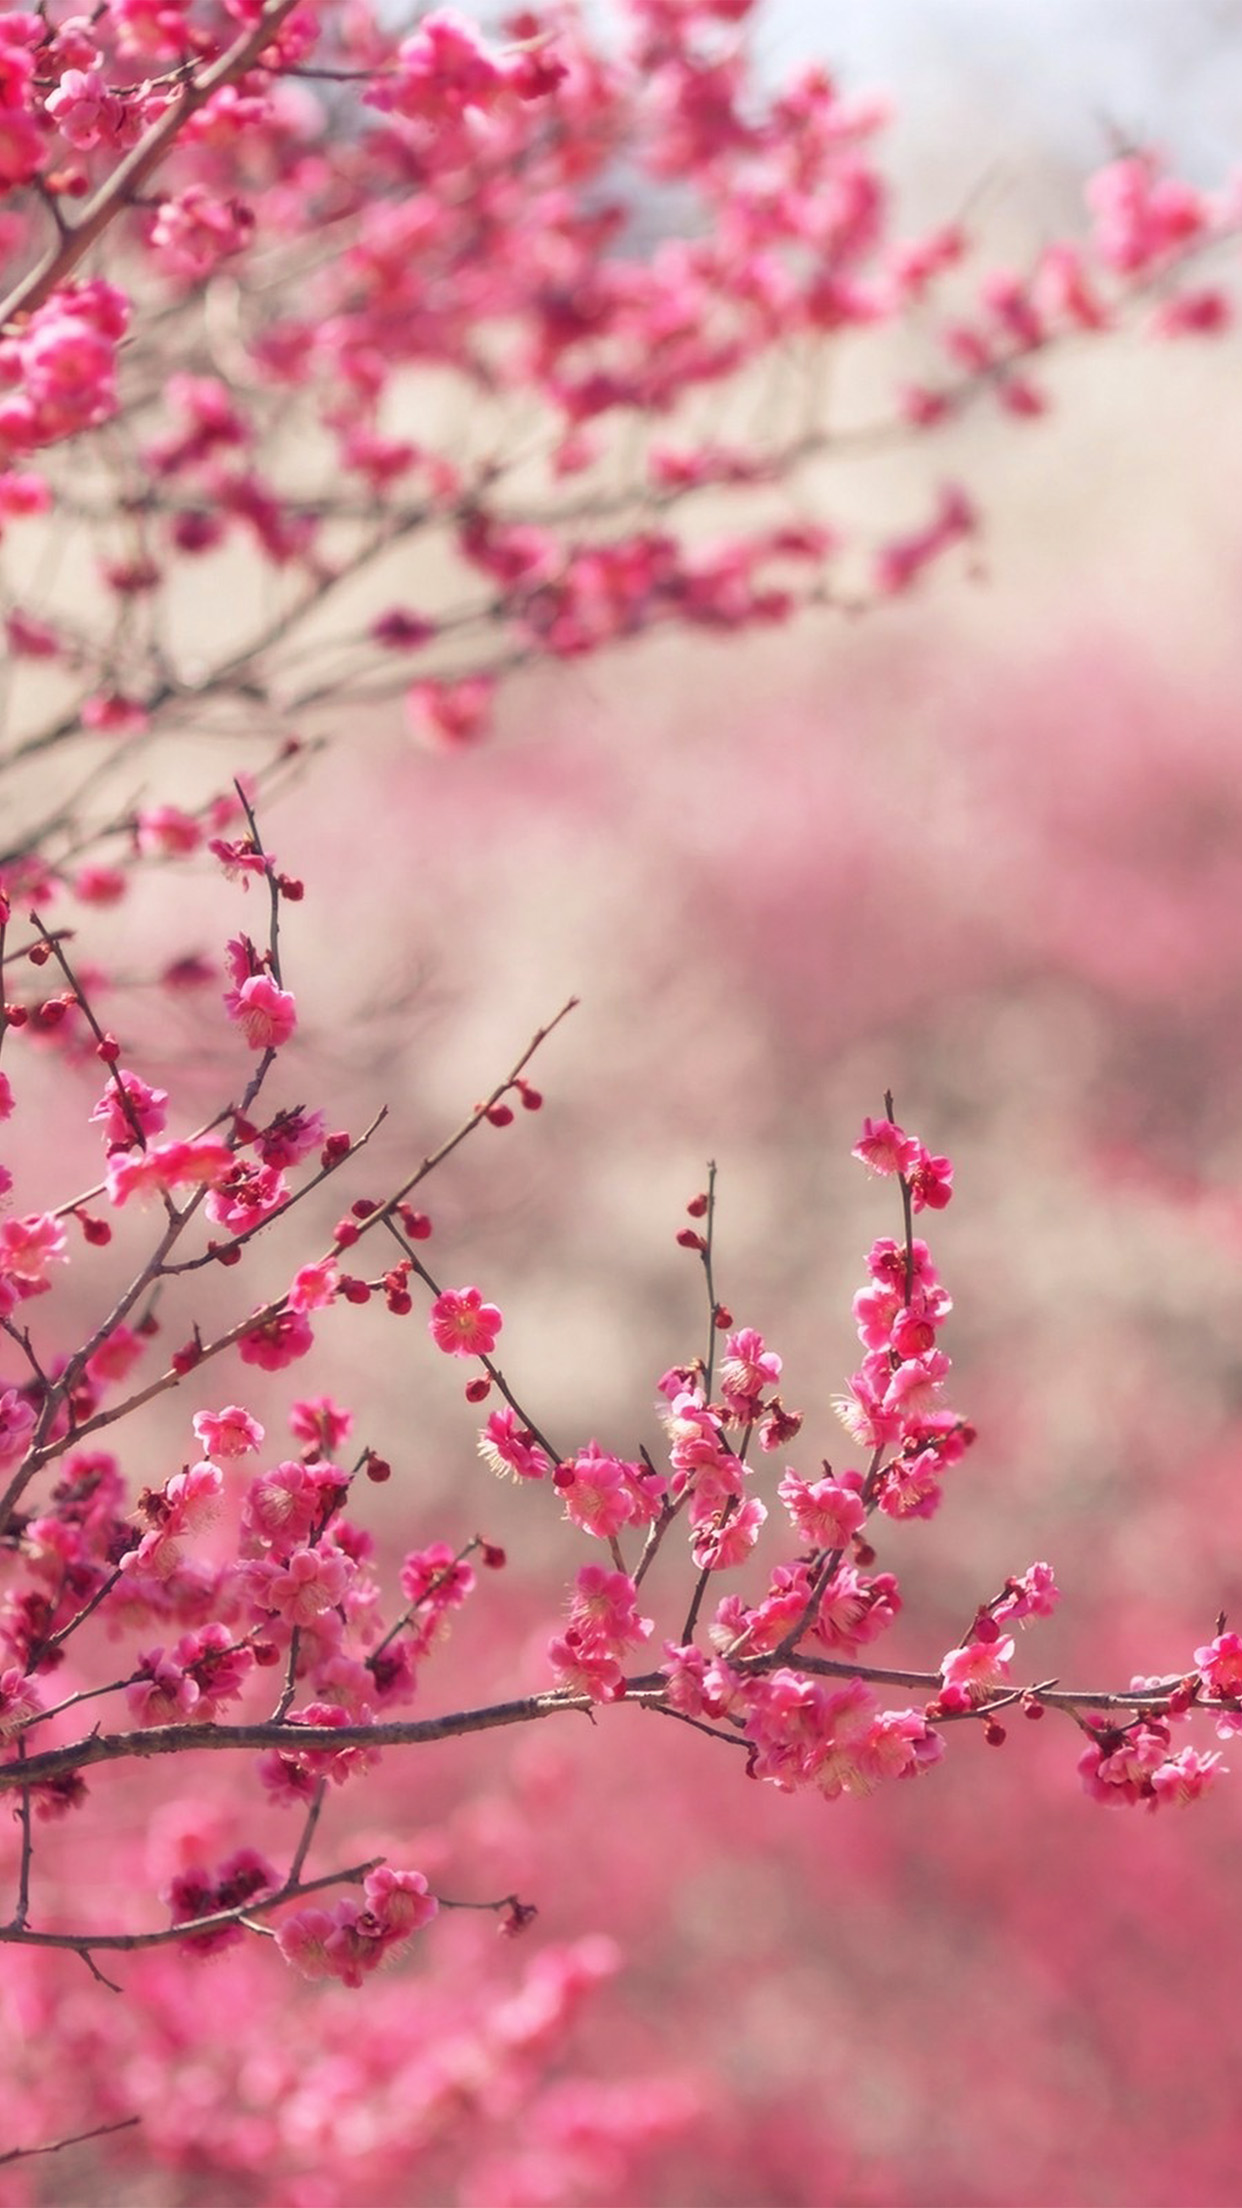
<point x="125" y="1943"/>
<point x="76" y="2139"/>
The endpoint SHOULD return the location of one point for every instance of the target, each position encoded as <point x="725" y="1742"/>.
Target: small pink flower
<point x="276" y="1342"/>
<point x="303" y="1941"/>
<point x="266" y="1015"/>
<point x="605" y="1609"/>
<point x="141" y="1107"/>
<point x="728" y="1541"/>
<point x="972" y="1673"/>
<point x="314" y="1286"/>
<point x="19" y="1700"/>
<point x="164" y="831"/>
<point x="400" y="1900"/>
<point x="462" y="1325"/>
<point x="231" y="1432"/>
<point x="451" y="713"/>
<point x="583" y="1666"/>
<point x="322" y="1424"/>
<point x="884" y="1147"/>
<point x="506" y="1446"/>
<point x="311" y="1581"/>
<point x="200" y="1163"/>
<point x="115" y="1357"/>
<point x="16" y="1425"/>
<point x="824" y="1512"/>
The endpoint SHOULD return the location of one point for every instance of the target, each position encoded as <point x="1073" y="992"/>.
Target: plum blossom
<point x="506" y="1446"/>
<point x="275" y="1342"/>
<point x="231" y="1432"/>
<point x="265" y="1013"/>
<point x="140" y="1106"/>
<point x="975" y="1671"/>
<point x="310" y="1581"/>
<point x="462" y="1325"/>
<point x="728" y="1540"/>
<point x="27" y="1247"/>
<point x="164" y="1166"/>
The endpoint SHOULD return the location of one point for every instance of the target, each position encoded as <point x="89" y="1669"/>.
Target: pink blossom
<point x="143" y="1107"/>
<point x="312" y="1580"/>
<point x="1133" y="1767"/>
<point x="583" y="1665"/>
<point x="266" y="1014"/>
<point x="191" y="1499"/>
<point x="597" y="1493"/>
<point x="462" y="1325"/>
<point x="854" y="1609"/>
<point x="824" y="1512"/>
<point x="1034" y="1595"/>
<point x="164" y="831"/>
<point x="285" y="1504"/>
<point x="163" y="1693"/>
<point x="198" y="1163"/>
<point x="303" y="1941"/>
<point x="314" y="1286"/>
<point x="507" y="1446"/>
<point x="605" y="1609"/>
<point x="231" y="1432"/>
<point x="438" y="1576"/>
<point x="291" y="1137"/>
<point x="19" y="1701"/>
<point x="884" y="1147"/>
<point x="115" y="1357"/>
<point x="931" y="1181"/>
<point x="196" y="229"/>
<point x="746" y="1369"/>
<point x="973" y="1672"/>
<point x="276" y="1342"/>
<point x="400" y="1900"/>
<point x="85" y="110"/>
<point x="451" y="713"/>
<point x="728" y="1540"/>
<point x="27" y="1247"/>
<point x="246" y="1197"/>
<point x="322" y="1424"/>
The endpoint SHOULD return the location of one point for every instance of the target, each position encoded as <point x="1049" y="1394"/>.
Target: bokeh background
<point x="984" y="848"/>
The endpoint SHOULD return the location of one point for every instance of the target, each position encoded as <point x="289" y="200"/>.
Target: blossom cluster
<point x="461" y="210"/>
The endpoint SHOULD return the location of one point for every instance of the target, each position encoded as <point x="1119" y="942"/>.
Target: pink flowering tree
<point x="240" y="245"/>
